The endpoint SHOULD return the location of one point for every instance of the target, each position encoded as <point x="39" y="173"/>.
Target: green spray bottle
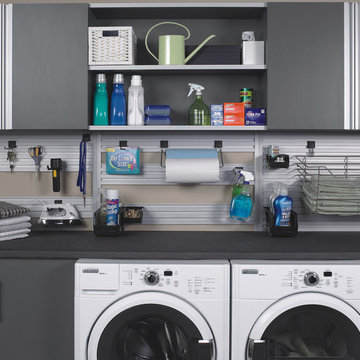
<point x="101" y="113"/>
<point x="199" y="112"/>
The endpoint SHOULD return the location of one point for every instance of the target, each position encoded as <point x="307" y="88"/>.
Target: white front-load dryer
<point x="295" y="310"/>
<point x="164" y="310"/>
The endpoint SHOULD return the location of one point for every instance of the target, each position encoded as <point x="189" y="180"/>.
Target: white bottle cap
<point x="118" y="79"/>
<point x="136" y="80"/>
<point x="100" y="79"/>
<point x="112" y="194"/>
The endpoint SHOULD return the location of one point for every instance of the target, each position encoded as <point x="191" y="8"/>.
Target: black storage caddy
<point x="101" y="229"/>
<point x="132" y="214"/>
<point x="281" y="231"/>
<point x="279" y="161"/>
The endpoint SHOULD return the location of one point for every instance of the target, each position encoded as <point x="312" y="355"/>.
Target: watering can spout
<point x="198" y="48"/>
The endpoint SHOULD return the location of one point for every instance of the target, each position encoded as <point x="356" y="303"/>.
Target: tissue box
<point x="123" y="160"/>
<point x="253" y="53"/>
<point x="255" y="117"/>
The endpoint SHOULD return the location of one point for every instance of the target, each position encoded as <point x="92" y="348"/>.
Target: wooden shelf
<point x="176" y="128"/>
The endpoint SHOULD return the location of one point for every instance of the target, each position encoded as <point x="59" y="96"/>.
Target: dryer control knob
<point x="311" y="278"/>
<point x="152" y="278"/>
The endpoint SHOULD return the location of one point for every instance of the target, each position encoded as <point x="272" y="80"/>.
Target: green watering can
<point x="172" y="47"/>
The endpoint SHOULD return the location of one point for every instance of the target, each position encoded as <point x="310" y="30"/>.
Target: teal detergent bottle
<point x="101" y="115"/>
<point x="241" y="203"/>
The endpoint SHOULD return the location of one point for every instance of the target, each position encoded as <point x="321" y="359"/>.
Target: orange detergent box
<point x="234" y="114"/>
<point x="234" y="108"/>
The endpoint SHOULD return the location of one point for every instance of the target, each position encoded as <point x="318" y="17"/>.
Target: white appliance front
<point x="153" y="311"/>
<point x="298" y="310"/>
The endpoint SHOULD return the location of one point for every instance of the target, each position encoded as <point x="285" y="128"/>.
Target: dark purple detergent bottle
<point x="118" y="101"/>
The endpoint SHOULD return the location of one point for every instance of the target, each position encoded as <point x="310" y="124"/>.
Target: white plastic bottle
<point x="136" y="102"/>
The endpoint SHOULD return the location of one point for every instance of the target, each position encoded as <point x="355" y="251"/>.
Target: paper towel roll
<point x="187" y="166"/>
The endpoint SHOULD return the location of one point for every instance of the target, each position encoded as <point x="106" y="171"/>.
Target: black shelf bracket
<point x="123" y="144"/>
<point x="86" y="137"/>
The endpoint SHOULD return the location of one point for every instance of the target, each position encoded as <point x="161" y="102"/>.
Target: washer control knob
<point x="311" y="278"/>
<point x="152" y="278"/>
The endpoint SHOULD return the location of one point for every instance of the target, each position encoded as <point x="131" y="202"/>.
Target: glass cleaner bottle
<point x="241" y="203"/>
<point x="199" y="112"/>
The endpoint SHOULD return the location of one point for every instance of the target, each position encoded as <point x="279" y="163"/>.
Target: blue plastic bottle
<point x="283" y="205"/>
<point x="241" y="203"/>
<point x="101" y="116"/>
<point x="118" y="102"/>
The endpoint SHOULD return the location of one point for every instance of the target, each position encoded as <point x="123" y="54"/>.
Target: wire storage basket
<point x="115" y="45"/>
<point x="330" y="184"/>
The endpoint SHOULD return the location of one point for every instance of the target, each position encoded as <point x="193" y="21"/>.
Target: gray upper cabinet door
<point x="305" y="58"/>
<point x="50" y="68"/>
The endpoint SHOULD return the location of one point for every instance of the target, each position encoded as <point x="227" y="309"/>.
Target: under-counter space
<point x="184" y="245"/>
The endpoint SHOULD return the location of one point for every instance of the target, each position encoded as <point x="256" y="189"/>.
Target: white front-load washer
<point x="295" y="310"/>
<point x="142" y="310"/>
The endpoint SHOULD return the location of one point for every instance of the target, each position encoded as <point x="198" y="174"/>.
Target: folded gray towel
<point x="10" y="210"/>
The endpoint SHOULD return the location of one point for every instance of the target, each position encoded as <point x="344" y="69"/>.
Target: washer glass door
<point x="151" y="332"/>
<point x="309" y="332"/>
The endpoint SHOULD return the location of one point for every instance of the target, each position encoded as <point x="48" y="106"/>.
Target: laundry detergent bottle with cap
<point x="242" y="202"/>
<point x="199" y="112"/>
<point x="101" y="103"/>
<point x="136" y="102"/>
<point x="282" y="207"/>
<point x="118" y="101"/>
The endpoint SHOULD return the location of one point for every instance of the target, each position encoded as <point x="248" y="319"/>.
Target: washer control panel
<point x="282" y="279"/>
<point x="200" y="281"/>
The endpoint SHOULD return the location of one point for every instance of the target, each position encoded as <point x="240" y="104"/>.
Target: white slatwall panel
<point x="295" y="144"/>
<point x="35" y="205"/>
<point x="154" y="174"/>
<point x="64" y="146"/>
<point x="232" y="142"/>
<point x="188" y="214"/>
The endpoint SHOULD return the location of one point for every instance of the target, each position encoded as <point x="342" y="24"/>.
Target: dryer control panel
<point x="280" y="280"/>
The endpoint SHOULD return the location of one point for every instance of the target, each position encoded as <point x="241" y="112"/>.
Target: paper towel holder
<point x="164" y="144"/>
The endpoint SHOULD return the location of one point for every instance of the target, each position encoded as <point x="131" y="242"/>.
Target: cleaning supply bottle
<point x="101" y="116"/>
<point x="136" y="102"/>
<point x="112" y="207"/>
<point x="118" y="101"/>
<point x="282" y="206"/>
<point x="199" y="112"/>
<point x="241" y="203"/>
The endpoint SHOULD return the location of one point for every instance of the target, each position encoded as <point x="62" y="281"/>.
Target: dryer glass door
<point x="308" y="332"/>
<point x="151" y="332"/>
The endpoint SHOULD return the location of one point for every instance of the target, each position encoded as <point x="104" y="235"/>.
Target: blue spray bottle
<point x="282" y="207"/>
<point x="118" y="102"/>
<point x="241" y="203"/>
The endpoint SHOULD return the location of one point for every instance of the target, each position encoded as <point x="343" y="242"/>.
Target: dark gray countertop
<point x="184" y="245"/>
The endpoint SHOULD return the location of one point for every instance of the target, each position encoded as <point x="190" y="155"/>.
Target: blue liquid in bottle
<point x="118" y="102"/>
<point x="241" y="207"/>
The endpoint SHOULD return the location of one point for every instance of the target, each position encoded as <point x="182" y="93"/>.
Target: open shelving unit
<point x="168" y="84"/>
